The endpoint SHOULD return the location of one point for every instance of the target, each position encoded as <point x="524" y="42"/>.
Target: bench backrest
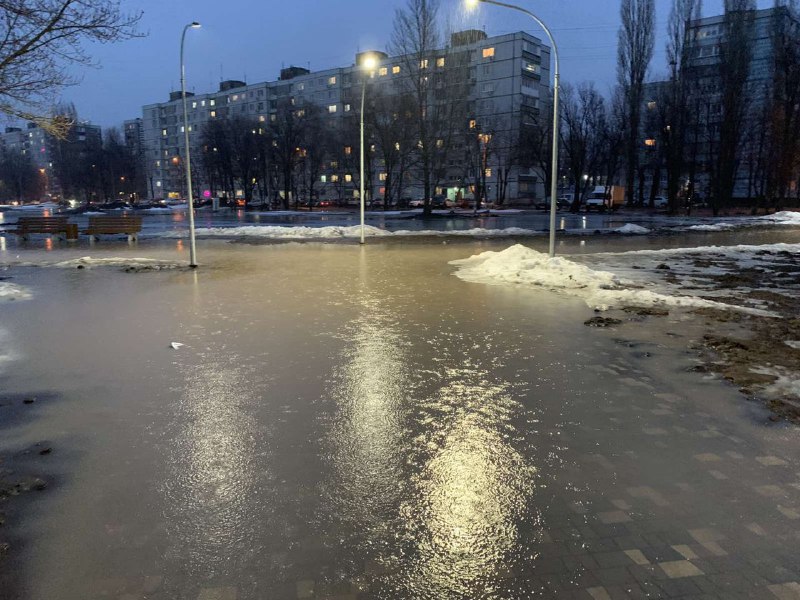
<point x="24" y="223"/>
<point x="119" y="221"/>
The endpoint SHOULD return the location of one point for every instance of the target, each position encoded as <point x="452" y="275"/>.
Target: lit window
<point x="334" y="164"/>
<point x="235" y="97"/>
<point x="261" y="118"/>
<point x="332" y="108"/>
<point x="182" y="129"/>
<point x="348" y="178"/>
<point x="383" y="71"/>
<point x="348" y="150"/>
<point x="213" y="114"/>
<point x="163" y="132"/>
<point x="440" y="61"/>
<point x="332" y="80"/>
<point x="651" y="105"/>
<point x="301" y="87"/>
<point x="212" y="102"/>
<point x="334" y="178"/>
<point x="423" y="64"/>
<point x="488" y="52"/>
<point x="397" y="146"/>
<point x="440" y="143"/>
<point x="488" y="172"/>
<point x="273" y="118"/>
<point x="347" y="108"/>
<point x="395" y="70"/>
<point x="649" y="142"/>
<point x="202" y="102"/>
<point x="472" y="124"/>
<point x="301" y="113"/>
<point x="194" y="104"/>
<point x="382" y="176"/>
<point x="158" y="164"/>
<point x="158" y="184"/>
<point x="324" y="178"/>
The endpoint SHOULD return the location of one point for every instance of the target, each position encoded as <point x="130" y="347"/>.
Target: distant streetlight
<point x="192" y="248"/>
<point x="368" y="63"/>
<point x="554" y="172"/>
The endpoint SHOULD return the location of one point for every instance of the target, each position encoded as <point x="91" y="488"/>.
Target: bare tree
<point x="634" y="53"/>
<point x="678" y="116"/>
<point x="390" y="117"/>
<point x="734" y="71"/>
<point x="583" y="122"/>
<point x="784" y="108"/>
<point x="39" y="39"/>
<point x="19" y="179"/>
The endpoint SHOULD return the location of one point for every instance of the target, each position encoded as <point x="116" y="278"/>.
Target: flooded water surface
<point x="357" y="422"/>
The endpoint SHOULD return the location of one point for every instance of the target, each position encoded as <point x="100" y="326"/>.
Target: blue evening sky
<point x="242" y="39"/>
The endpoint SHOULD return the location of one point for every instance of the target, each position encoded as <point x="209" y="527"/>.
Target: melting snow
<point x="599" y="288"/>
<point x="12" y="291"/>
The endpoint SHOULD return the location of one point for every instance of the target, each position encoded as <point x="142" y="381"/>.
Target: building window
<point x="158" y="184"/>
<point x="472" y="124"/>
<point x="650" y="142"/>
<point x="261" y="118"/>
<point x="440" y="61"/>
<point x="164" y="132"/>
<point x="334" y="165"/>
<point x="651" y="105"/>
<point x="383" y="71"/>
<point x="382" y="176"/>
<point x="324" y="178"/>
<point x="194" y="104"/>
<point x="212" y="114"/>
<point x="423" y="64"/>
<point x="332" y="108"/>
<point x="334" y="178"/>
<point x="332" y="80"/>
<point x="395" y="70"/>
<point x="348" y="177"/>
<point x="488" y="172"/>
<point x="348" y="150"/>
<point x="347" y="108"/>
<point x="488" y="52"/>
<point x="212" y="102"/>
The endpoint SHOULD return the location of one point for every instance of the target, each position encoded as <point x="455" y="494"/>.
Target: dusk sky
<point x="252" y="40"/>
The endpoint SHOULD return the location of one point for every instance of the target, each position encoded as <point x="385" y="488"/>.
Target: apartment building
<point x="507" y="78"/>
<point x="43" y="149"/>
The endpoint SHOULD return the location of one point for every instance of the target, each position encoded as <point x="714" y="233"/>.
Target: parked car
<point x="325" y="203"/>
<point x="417" y="203"/>
<point x="660" y="202"/>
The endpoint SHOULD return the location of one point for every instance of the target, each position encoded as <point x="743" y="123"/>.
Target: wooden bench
<point x="119" y="225"/>
<point x="48" y="226"/>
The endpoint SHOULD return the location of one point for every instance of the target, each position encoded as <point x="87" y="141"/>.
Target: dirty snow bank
<point x="599" y="288"/>
<point x="333" y="232"/>
<point x="632" y="229"/>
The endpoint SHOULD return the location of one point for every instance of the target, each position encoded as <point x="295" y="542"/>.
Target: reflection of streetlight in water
<point x="179" y="246"/>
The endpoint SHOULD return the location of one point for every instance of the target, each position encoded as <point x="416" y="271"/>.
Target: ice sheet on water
<point x="7" y="352"/>
<point x="12" y="291"/>
<point x="87" y="262"/>
<point x="630" y="228"/>
<point x="600" y="287"/>
<point x="331" y="232"/>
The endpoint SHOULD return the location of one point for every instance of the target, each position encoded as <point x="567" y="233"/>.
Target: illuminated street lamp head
<point x="472" y="4"/>
<point x="369" y="63"/>
<point x="195" y="25"/>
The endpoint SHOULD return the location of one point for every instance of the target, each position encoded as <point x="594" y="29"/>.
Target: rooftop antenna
<point x="221" y="78"/>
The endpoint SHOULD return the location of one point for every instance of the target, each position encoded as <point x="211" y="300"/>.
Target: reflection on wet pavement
<point x="344" y="423"/>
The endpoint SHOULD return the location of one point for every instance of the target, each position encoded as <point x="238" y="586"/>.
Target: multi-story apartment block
<point x="44" y="150"/>
<point x="707" y="37"/>
<point x="507" y="84"/>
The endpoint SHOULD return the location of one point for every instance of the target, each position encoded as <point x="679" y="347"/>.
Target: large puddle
<point x="357" y="422"/>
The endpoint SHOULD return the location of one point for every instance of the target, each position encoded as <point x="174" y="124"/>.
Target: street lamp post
<point x="192" y="248"/>
<point x="368" y="64"/>
<point x="554" y="172"/>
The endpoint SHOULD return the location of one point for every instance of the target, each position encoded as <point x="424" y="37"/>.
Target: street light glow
<point x="472" y="4"/>
<point x="370" y="63"/>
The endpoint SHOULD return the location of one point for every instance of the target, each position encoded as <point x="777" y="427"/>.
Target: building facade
<point x="507" y="85"/>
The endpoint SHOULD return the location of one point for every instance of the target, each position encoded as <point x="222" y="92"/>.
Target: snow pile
<point x="793" y="344"/>
<point x="600" y="289"/>
<point x="12" y="291"/>
<point x="786" y="217"/>
<point x="630" y="228"/>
